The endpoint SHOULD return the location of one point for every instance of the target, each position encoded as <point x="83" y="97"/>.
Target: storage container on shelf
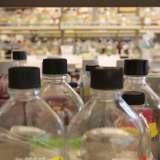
<point x="108" y="128"/>
<point x="8" y="54"/>
<point x="85" y="90"/>
<point x="136" y="71"/>
<point x="4" y="66"/>
<point x="29" y="129"/>
<point x="20" y="57"/>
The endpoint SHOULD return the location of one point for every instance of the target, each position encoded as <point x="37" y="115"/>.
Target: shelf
<point x="80" y="30"/>
<point x="29" y="29"/>
<point x="72" y="27"/>
<point x="41" y="27"/>
<point x="99" y="27"/>
<point x="153" y="28"/>
<point x="98" y="33"/>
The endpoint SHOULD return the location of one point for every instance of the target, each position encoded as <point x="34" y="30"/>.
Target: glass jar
<point x="108" y="128"/>
<point x="29" y="129"/>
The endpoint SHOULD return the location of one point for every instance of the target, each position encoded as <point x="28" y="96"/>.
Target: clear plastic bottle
<point x="20" y="57"/>
<point x="135" y="71"/>
<point x="136" y="100"/>
<point x="85" y="90"/>
<point x="4" y="66"/>
<point x="108" y="129"/>
<point x="57" y="92"/>
<point x="29" y="129"/>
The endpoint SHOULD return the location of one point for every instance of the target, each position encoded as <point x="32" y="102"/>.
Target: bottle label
<point x="142" y="157"/>
<point x="150" y="122"/>
<point x="57" y="158"/>
<point x="150" y="119"/>
<point x="85" y="91"/>
<point x="153" y="129"/>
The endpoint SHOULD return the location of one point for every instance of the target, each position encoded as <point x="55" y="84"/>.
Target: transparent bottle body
<point x="139" y="84"/>
<point x="61" y="97"/>
<point x="85" y="90"/>
<point x="4" y="96"/>
<point x="108" y="129"/>
<point x="152" y="105"/>
<point x="29" y="128"/>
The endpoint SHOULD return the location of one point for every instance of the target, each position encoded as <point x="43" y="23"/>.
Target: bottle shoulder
<point x="97" y="114"/>
<point x="35" y="112"/>
<point x="151" y="98"/>
<point x="61" y="91"/>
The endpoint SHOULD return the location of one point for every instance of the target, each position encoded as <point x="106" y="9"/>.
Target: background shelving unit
<point x="68" y="22"/>
<point x="42" y="31"/>
<point x="80" y="31"/>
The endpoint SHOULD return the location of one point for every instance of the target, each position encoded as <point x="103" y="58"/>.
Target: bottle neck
<point x="55" y="78"/>
<point x="24" y="94"/>
<point x="135" y="80"/>
<point x="21" y="62"/>
<point x="88" y="73"/>
<point x="105" y="94"/>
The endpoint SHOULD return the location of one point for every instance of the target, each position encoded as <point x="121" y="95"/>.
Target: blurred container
<point x="135" y="71"/>
<point x="108" y="128"/>
<point x="4" y="66"/>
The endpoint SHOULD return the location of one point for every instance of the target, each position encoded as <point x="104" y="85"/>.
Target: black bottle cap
<point x="55" y="66"/>
<point x="19" y="55"/>
<point x="134" y="97"/>
<point x="73" y="84"/>
<point x="137" y="67"/>
<point x="107" y="78"/>
<point x="24" y="77"/>
<point x="8" y="54"/>
<point x="90" y="68"/>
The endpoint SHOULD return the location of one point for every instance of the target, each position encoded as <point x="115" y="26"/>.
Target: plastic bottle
<point x="29" y="129"/>
<point x="57" y="92"/>
<point x="108" y="128"/>
<point x="20" y="57"/>
<point x="85" y="90"/>
<point x="4" y="66"/>
<point x="135" y="71"/>
<point x="137" y="101"/>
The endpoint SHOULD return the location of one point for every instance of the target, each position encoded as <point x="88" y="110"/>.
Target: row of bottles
<point x="35" y="127"/>
<point x="138" y="93"/>
<point x="49" y="121"/>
